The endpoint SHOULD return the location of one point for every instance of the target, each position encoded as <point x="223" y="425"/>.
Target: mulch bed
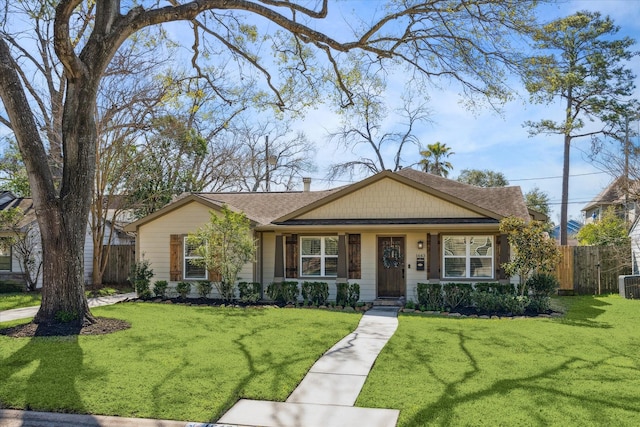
<point x="102" y="326"/>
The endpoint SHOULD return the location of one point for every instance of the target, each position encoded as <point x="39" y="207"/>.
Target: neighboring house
<point x="573" y="227"/>
<point x="617" y="195"/>
<point x="10" y="259"/>
<point x="387" y="233"/>
<point x="634" y="234"/>
<point x="12" y="256"/>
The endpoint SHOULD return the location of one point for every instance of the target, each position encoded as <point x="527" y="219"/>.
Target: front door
<point x="391" y="282"/>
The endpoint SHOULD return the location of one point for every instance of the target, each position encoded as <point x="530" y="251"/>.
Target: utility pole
<point x="266" y="151"/>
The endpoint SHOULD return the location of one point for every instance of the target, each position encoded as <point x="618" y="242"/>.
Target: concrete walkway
<point x="26" y="312"/>
<point x="326" y="395"/>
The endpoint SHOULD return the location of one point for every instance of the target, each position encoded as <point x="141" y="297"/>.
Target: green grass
<point x="581" y="370"/>
<point x="19" y="300"/>
<point x="176" y="362"/>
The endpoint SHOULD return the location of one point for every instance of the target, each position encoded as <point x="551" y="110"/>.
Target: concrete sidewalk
<point x="326" y="395"/>
<point x="324" y="398"/>
<point x="26" y="312"/>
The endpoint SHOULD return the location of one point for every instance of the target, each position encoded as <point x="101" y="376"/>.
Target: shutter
<point x="354" y="256"/>
<point x="503" y="255"/>
<point x="215" y="275"/>
<point x="176" y="258"/>
<point x="291" y="257"/>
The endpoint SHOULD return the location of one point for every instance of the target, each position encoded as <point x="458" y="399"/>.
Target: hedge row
<point x="488" y="297"/>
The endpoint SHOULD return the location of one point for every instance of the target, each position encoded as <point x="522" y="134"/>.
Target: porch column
<point x="434" y="257"/>
<point x="278" y="269"/>
<point x="343" y="273"/>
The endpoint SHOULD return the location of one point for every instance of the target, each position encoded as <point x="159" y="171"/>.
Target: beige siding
<point x="153" y="240"/>
<point x="389" y="199"/>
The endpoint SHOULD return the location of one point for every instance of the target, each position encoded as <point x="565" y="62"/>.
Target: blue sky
<point x="486" y="140"/>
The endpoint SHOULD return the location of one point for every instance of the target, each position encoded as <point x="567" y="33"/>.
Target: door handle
<point x="403" y="273"/>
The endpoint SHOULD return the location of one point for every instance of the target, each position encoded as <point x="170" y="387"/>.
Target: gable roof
<point x="503" y="201"/>
<point x="279" y="207"/>
<point x="613" y="194"/>
<point x="8" y="201"/>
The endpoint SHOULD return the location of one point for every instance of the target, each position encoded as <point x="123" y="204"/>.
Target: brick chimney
<point x="307" y="183"/>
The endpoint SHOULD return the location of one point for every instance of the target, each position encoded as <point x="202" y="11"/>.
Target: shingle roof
<point x="613" y="194"/>
<point x="266" y="207"/>
<point x="504" y="201"/>
<point x="25" y="204"/>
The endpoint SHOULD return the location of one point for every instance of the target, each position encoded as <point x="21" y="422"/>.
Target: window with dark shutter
<point x="291" y="257"/>
<point x="354" y="256"/>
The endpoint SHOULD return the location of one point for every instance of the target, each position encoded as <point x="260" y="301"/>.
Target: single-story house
<point x="387" y="233"/>
<point x="11" y="257"/>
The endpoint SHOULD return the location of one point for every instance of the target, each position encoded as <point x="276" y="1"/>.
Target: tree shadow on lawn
<point x="442" y="411"/>
<point x="52" y="386"/>
<point x="584" y="311"/>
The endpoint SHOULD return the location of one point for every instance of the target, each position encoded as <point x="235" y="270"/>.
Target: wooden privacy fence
<point x="121" y="258"/>
<point x="590" y="270"/>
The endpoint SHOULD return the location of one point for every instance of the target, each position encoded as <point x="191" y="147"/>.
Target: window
<point x="319" y="256"/>
<point x="468" y="256"/>
<point x="192" y="271"/>
<point x="5" y="255"/>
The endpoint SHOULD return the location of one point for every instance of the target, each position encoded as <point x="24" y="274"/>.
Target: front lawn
<point x="175" y="362"/>
<point x="19" y="300"/>
<point x="581" y="370"/>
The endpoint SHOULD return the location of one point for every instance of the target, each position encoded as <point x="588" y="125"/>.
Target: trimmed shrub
<point x="249" y="292"/>
<point x="10" y="286"/>
<point x="283" y="292"/>
<point x="347" y="294"/>
<point x="183" y="289"/>
<point x="140" y="278"/>
<point x="457" y="295"/>
<point x="204" y="288"/>
<point x="485" y="301"/>
<point x="496" y="288"/>
<point x="541" y="288"/>
<point x="160" y="288"/>
<point x="353" y="294"/>
<point x="315" y="293"/>
<point x="342" y="290"/>
<point x="515" y="305"/>
<point x="430" y="296"/>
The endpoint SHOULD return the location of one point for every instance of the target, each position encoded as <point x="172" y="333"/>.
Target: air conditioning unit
<point x="629" y="286"/>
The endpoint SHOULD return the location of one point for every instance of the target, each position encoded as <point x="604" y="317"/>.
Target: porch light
<point x="420" y="244"/>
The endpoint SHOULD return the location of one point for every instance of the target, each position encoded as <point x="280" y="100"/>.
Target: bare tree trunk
<point x="63" y="221"/>
<point x="564" y="204"/>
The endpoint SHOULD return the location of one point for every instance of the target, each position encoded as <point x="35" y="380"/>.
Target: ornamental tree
<point x="224" y="245"/>
<point x="532" y="250"/>
<point x="609" y="230"/>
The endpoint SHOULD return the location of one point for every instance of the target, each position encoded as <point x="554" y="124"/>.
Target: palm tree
<point x="432" y="161"/>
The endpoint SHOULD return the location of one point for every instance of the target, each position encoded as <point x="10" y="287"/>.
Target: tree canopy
<point x="468" y="43"/>
<point x="483" y="178"/>
<point x="433" y="159"/>
<point x="584" y="65"/>
<point x="609" y="230"/>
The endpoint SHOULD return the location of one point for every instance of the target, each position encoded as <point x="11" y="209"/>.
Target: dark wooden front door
<point x="391" y="265"/>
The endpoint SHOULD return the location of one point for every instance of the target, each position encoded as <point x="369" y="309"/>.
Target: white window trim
<point x="322" y="256"/>
<point x="185" y="258"/>
<point x="468" y="257"/>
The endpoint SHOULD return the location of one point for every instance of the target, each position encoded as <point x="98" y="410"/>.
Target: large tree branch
<point x="24" y="126"/>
